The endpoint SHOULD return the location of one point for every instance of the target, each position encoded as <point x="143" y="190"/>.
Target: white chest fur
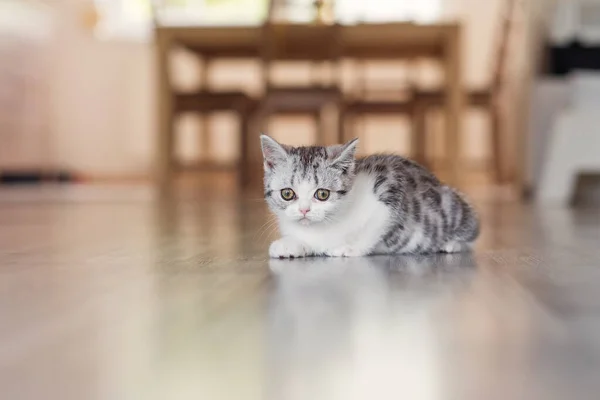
<point x="362" y="220"/>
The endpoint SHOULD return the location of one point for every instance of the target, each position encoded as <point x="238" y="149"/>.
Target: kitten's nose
<point x="304" y="211"/>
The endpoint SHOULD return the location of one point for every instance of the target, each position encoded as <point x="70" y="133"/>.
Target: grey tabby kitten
<point x="329" y="203"/>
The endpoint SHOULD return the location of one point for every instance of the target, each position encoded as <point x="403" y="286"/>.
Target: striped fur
<point x="382" y="204"/>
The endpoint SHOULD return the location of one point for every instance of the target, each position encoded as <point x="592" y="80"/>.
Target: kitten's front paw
<point x="345" y="251"/>
<point x="287" y="248"/>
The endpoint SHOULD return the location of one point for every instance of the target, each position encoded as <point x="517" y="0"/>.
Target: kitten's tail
<point x="465" y="221"/>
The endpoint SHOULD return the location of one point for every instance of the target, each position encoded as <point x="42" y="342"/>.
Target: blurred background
<point x="121" y="90"/>
<point x="106" y="293"/>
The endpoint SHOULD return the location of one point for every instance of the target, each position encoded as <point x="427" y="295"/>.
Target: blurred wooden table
<point x="366" y="42"/>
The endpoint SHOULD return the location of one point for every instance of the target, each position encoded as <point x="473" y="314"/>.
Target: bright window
<point x="353" y="11"/>
<point x="132" y="18"/>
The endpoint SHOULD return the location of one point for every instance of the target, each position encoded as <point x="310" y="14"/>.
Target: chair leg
<point x="419" y="139"/>
<point x="256" y="125"/>
<point x="244" y="168"/>
<point x="261" y="120"/>
<point x="350" y="128"/>
<point x="166" y="151"/>
<point x="341" y="128"/>
<point x="316" y="117"/>
<point x="496" y="144"/>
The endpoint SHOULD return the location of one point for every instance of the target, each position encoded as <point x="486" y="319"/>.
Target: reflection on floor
<point x="108" y="294"/>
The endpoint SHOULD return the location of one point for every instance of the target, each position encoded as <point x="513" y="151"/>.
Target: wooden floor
<point x="109" y="294"/>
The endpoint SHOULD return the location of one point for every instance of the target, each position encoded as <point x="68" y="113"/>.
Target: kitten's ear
<point x="342" y="156"/>
<point x="273" y="152"/>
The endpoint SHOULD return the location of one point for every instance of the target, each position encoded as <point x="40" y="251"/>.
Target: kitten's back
<point x="422" y="207"/>
<point x="396" y="173"/>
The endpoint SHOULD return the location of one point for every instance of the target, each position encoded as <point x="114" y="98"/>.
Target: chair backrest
<point x="288" y="42"/>
<point x="503" y="39"/>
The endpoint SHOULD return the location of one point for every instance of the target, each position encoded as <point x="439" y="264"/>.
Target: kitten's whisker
<point x="271" y="230"/>
<point x="264" y="226"/>
<point x="268" y="227"/>
<point x="330" y="218"/>
<point x="269" y="221"/>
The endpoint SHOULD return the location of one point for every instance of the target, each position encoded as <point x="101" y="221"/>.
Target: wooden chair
<point x="317" y="44"/>
<point x="390" y="98"/>
<point x="206" y="101"/>
<point x="399" y="101"/>
<point x="486" y="98"/>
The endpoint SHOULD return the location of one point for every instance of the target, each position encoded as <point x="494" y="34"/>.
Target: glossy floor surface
<point x="108" y="294"/>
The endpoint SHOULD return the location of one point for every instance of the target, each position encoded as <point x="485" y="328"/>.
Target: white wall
<point x="24" y="77"/>
<point x="102" y="100"/>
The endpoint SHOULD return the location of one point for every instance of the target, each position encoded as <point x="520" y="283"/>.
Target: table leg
<point x="244" y="169"/>
<point x="454" y="106"/>
<point x="419" y="130"/>
<point x="165" y="142"/>
<point x="206" y="136"/>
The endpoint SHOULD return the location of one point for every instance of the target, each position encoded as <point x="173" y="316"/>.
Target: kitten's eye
<point x="287" y="194"/>
<point x="322" y="194"/>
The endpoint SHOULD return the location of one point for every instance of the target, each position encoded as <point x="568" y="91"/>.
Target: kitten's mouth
<point x="304" y="221"/>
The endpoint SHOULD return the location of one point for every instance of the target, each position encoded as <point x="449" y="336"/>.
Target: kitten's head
<point x="307" y="184"/>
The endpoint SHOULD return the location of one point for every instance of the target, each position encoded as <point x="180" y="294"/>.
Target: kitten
<point x="328" y="203"/>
